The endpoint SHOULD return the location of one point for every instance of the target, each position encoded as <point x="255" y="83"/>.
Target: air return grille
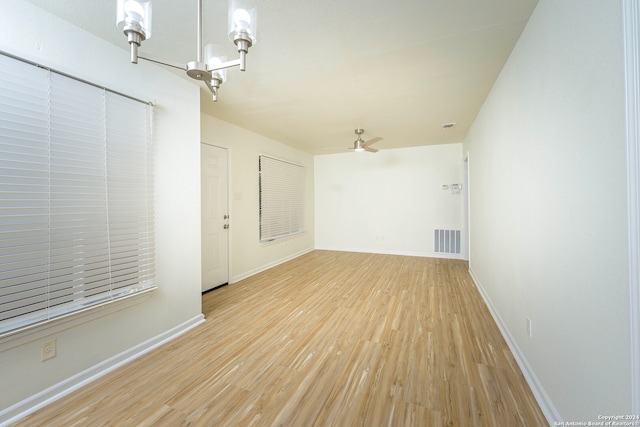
<point x="446" y="241"/>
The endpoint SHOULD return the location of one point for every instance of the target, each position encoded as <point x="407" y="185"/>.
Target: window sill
<point x="19" y="337"/>
<point x="282" y="239"/>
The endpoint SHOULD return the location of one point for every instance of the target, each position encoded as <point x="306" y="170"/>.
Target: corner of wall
<point x="544" y="401"/>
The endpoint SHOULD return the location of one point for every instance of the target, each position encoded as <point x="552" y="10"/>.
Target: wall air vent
<point x="446" y="241"/>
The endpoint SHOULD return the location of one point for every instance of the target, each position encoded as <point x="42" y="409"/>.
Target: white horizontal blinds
<point x="281" y="198"/>
<point x="79" y="265"/>
<point x="297" y="196"/>
<point x="24" y="189"/>
<point x="130" y="191"/>
<point x="76" y="224"/>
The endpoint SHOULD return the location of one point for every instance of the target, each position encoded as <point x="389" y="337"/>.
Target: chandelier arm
<point x="214" y="90"/>
<point x="164" y="62"/>
<point x="228" y="64"/>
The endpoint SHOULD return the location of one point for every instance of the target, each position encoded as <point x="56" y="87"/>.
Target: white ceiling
<point x="321" y="68"/>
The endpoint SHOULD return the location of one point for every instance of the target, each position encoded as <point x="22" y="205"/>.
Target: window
<point x="76" y="195"/>
<point x="281" y="198"/>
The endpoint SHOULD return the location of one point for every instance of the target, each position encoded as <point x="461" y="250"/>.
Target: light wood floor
<point x="328" y="339"/>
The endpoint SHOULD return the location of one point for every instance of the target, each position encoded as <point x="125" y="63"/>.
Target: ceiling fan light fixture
<point x="359" y="144"/>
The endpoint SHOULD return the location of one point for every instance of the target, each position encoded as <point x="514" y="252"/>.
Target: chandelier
<point x="134" y="20"/>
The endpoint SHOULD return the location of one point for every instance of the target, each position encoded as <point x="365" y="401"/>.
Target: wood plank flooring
<point x="327" y="339"/>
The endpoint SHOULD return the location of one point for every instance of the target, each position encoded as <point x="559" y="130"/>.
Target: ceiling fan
<point x="359" y="144"/>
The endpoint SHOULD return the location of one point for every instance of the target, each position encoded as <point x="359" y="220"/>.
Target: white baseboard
<point x="57" y="391"/>
<point x="393" y="252"/>
<point x="262" y="268"/>
<point x="546" y="405"/>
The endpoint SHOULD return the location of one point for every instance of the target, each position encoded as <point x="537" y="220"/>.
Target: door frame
<point x="631" y="35"/>
<point x="467" y="207"/>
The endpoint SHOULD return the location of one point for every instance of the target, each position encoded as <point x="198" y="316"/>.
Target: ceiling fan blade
<point x="371" y="150"/>
<point x="372" y="141"/>
<point x="337" y="148"/>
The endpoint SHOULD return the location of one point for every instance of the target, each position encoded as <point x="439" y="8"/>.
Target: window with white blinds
<point x="76" y="195"/>
<point x="281" y="198"/>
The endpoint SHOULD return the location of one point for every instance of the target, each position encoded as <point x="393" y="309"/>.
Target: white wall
<point x="247" y="255"/>
<point x="388" y="202"/>
<point x="548" y="206"/>
<point x="28" y="32"/>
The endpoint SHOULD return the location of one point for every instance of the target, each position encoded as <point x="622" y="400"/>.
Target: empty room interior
<point x="343" y="213"/>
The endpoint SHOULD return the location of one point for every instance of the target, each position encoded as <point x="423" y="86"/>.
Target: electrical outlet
<point x="48" y="350"/>
<point x="529" y="329"/>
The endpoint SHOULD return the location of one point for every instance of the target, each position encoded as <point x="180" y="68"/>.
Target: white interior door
<point x="215" y="217"/>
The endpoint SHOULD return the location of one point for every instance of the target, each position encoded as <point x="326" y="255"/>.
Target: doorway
<point x="215" y="216"/>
